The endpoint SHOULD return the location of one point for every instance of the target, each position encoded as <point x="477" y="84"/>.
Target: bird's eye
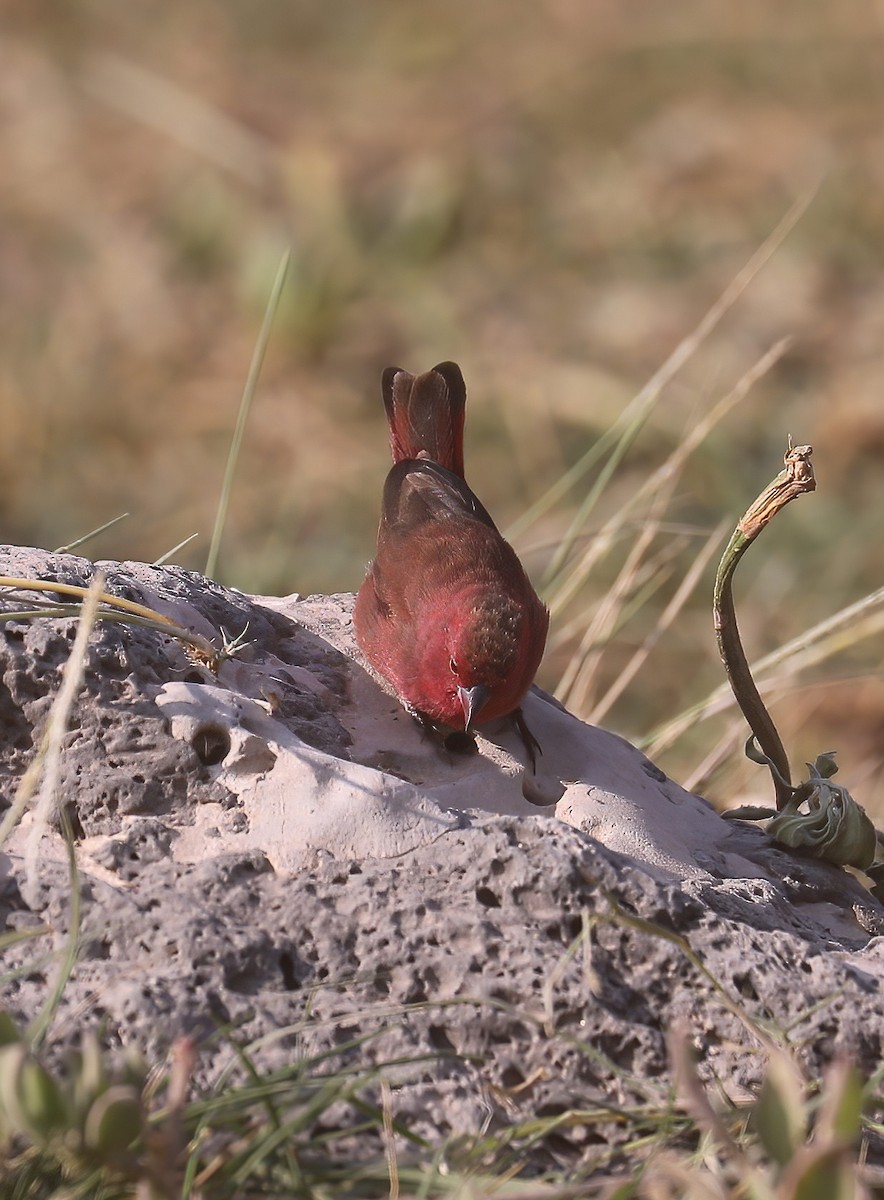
<point x="453" y="665"/>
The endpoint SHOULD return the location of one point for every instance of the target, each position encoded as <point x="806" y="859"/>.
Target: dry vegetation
<point x="552" y="194"/>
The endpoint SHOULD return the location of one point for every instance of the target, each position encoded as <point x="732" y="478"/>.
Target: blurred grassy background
<point x="553" y="194"/>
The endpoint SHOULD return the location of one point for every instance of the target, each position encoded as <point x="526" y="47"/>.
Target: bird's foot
<point x="529" y="741"/>
<point x="542" y="788"/>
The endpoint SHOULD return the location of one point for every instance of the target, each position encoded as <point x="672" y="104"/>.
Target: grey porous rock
<point x="277" y="850"/>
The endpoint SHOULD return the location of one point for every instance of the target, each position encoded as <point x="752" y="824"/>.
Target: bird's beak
<point x="472" y="699"/>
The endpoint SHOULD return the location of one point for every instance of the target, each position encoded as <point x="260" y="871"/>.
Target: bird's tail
<point x="426" y="414"/>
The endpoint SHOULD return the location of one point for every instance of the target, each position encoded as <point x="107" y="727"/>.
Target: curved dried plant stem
<point x="72" y="589"/>
<point x="110" y="608"/>
<point x="794" y="480"/>
<point x="104" y="614"/>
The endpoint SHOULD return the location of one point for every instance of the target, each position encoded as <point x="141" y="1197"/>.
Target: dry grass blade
<point x="80" y="541"/>
<point x="728" y="744"/>
<point x="693" y="1096"/>
<point x="574" y="687"/>
<point x="244" y="409"/>
<point x="569" y="582"/>
<point x="188" y="119"/>
<point x="389" y="1138"/>
<point x="670" y="612"/>
<point x="43" y="773"/>
<point x="662" y="564"/>
<point x="39" y="1027"/>
<point x="637" y="412"/>
<point x="72" y="589"/>
<point x="113" y="608"/>
<point x="49" y="756"/>
<point x="849" y="626"/>
<point x="164" y="558"/>
<point x="44" y="765"/>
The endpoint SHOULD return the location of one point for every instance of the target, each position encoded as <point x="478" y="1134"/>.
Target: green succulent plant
<point x="90" y="1116"/>
<point x="819" y="817"/>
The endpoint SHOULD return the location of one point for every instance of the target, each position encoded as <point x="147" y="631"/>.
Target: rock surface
<point x="279" y="850"/>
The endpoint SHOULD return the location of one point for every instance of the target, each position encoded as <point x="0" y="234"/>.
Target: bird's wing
<point x="420" y="491"/>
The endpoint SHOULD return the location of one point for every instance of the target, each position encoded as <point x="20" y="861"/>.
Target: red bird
<point x="446" y="614"/>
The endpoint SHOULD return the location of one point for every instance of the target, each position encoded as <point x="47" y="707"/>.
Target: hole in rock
<point x="74" y="822"/>
<point x="211" y="744"/>
<point x="512" y="1077"/>
<point x="100" y="948"/>
<point x="439" y="1039"/>
<point x="460" y="742"/>
<point x="287" y="967"/>
<point x="551" y="1109"/>
<point x="745" y="986"/>
<point x="488" y="898"/>
<point x="573" y="926"/>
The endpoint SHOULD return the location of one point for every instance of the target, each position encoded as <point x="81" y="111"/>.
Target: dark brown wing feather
<point x="422" y="492"/>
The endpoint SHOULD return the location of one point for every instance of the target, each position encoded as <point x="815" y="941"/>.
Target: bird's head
<point x="483" y="647"/>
